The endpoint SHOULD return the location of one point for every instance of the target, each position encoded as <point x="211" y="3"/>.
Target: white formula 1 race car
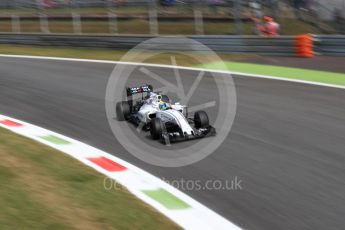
<point x="168" y="122"/>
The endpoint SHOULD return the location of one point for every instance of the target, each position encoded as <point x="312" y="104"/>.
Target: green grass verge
<point x="107" y="54"/>
<point x="18" y="209"/>
<point x="42" y="188"/>
<point x="278" y="71"/>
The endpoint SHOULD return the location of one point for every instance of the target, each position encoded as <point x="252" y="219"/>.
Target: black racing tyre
<point x="156" y="128"/>
<point x="165" y="99"/>
<point x="123" y="110"/>
<point x="201" y="119"/>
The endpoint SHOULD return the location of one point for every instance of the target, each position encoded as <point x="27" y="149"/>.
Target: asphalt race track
<point x="286" y="145"/>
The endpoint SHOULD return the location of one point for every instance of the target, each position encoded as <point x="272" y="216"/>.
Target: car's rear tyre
<point x="123" y="110"/>
<point x="156" y="128"/>
<point x="201" y="119"/>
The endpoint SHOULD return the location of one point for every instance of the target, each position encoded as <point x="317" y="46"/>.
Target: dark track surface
<point x="287" y="143"/>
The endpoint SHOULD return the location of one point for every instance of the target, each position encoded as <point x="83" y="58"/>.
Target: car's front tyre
<point x="201" y="120"/>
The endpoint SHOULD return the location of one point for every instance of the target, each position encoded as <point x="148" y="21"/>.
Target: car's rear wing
<point x="141" y="89"/>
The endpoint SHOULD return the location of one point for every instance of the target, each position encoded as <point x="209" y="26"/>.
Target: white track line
<point x="178" y="67"/>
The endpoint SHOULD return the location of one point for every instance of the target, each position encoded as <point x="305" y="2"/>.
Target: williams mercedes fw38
<point x="167" y="122"/>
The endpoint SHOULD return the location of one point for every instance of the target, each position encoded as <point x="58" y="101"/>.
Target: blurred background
<point x="187" y="17"/>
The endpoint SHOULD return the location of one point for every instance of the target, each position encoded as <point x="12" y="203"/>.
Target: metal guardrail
<point x="332" y="45"/>
<point x="224" y="44"/>
<point x="283" y="45"/>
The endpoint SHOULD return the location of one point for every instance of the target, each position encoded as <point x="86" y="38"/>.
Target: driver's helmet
<point x="163" y="105"/>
